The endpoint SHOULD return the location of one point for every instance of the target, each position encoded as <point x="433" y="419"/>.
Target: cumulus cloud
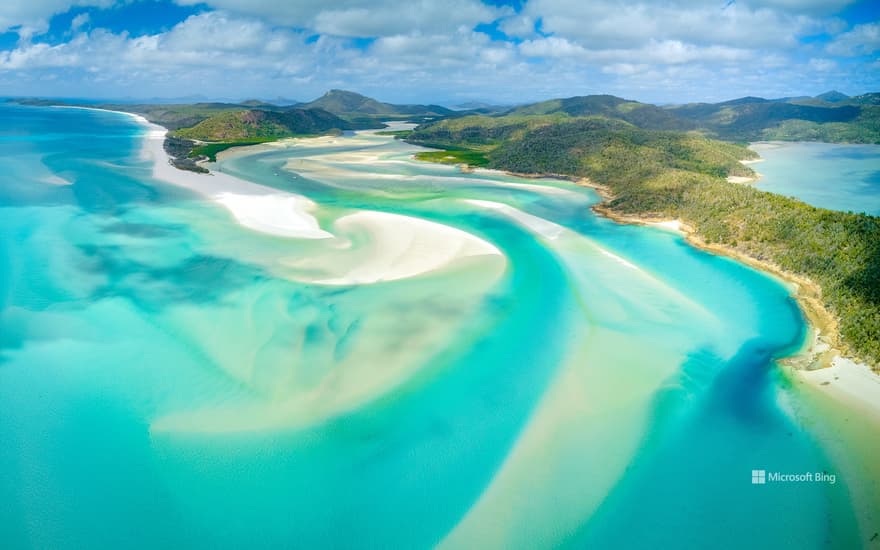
<point x="365" y="18"/>
<point x="609" y="24"/>
<point x="427" y="51"/>
<point x="861" y="40"/>
<point x="79" y="21"/>
<point x="665" y="52"/>
<point x="31" y="17"/>
<point x="823" y="65"/>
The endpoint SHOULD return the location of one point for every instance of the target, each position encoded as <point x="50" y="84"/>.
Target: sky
<point x="440" y="51"/>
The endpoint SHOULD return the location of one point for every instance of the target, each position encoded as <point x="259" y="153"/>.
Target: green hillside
<point x="259" y="124"/>
<point x="832" y="117"/>
<point x="811" y="119"/>
<point x="642" y="115"/>
<point x="355" y="106"/>
<point x="682" y="175"/>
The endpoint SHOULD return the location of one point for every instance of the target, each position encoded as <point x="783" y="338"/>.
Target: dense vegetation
<point x="257" y="124"/>
<point x="831" y="117"/>
<point x="642" y="115"/>
<point x="751" y="119"/>
<point x="179" y="150"/>
<point x="210" y="150"/>
<point x="455" y="156"/>
<point x="356" y="107"/>
<point x="682" y="175"/>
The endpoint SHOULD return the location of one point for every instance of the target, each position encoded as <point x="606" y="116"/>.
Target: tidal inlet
<point x="326" y="343"/>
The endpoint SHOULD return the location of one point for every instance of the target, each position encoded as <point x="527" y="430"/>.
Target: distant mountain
<point x="259" y="103"/>
<point x="479" y="106"/>
<point x="263" y="124"/>
<point x="812" y="119"/>
<point x="347" y="104"/>
<point x="748" y="100"/>
<point x="643" y="115"/>
<point x="832" y="97"/>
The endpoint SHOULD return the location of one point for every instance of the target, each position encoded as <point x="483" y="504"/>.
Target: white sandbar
<point x="254" y="206"/>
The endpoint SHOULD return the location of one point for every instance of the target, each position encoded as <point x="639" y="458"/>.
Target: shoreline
<point x="402" y="246"/>
<point x="823" y="361"/>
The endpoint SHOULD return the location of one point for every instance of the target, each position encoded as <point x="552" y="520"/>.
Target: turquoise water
<point x="829" y="175"/>
<point x="167" y="379"/>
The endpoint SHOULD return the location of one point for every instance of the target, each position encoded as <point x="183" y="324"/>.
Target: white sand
<point x="395" y="247"/>
<point x="542" y="227"/>
<point x="670" y="225"/>
<point x="56" y="180"/>
<point x="254" y="206"/>
<point x="740" y="179"/>
<point x="848" y="381"/>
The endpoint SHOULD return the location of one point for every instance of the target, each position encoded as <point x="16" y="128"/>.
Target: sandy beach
<point x="391" y="246"/>
<point x="254" y="206"/>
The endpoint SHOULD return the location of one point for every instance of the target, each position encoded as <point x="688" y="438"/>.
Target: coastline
<point x="397" y="246"/>
<point x="823" y="362"/>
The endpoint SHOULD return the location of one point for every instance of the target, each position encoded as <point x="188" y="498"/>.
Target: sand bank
<point x="390" y="247"/>
<point x="254" y="206"/>
<point x="848" y="381"/>
<point x="542" y="227"/>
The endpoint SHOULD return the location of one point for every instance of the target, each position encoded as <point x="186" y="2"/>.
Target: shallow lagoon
<point x="167" y="379"/>
<point x="829" y="175"/>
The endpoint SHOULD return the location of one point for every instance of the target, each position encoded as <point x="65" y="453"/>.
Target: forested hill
<point x="351" y="104"/>
<point x="798" y="119"/>
<point x="831" y="117"/>
<point x="682" y="175"/>
<point x="643" y="115"/>
<point x="258" y="124"/>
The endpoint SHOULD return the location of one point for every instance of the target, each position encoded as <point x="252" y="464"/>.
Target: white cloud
<point x="365" y="18"/>
<point x="428" y="51"/>
<point x="520" y="26"/>
<point x="32" y="16"/>
<point x="861" y="40"/>
<point x="609" y="24"/>
<point x="823" y="65"/>
<point x="79" y="21"/>
<point x="666" y="52"/>
<point x="552" y="46"/>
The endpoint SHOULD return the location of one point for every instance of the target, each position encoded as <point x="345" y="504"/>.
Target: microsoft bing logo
<point x="759" y="477"/>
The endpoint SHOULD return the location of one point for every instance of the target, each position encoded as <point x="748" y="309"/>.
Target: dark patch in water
<point x="143" y="230"/>
<point x="198" y="279"/>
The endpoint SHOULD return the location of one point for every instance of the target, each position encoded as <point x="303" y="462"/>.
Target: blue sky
<point x="450" y="51"/>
